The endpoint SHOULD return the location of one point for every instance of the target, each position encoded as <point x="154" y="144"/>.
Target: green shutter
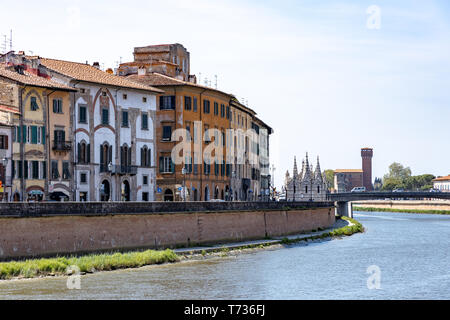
<point x="24" y="134"/>
<point x="43" y="135"/>
<point x="34" y="134"/>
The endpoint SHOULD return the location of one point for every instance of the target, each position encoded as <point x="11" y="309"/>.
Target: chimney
<point x="142" y="71"/>
<point x="96" y="65"/>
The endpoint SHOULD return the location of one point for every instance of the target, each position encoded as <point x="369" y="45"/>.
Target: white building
<point x="114" y="130"/>
<point x="442" y="183"/>
<point x="308" y="185"/>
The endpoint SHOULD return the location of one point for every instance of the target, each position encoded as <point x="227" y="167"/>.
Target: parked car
<point x="359" y="189"/>
<point x="435" y="190"/>
<point x="398" y="190"/>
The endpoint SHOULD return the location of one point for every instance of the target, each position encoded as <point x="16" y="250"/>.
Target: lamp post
<point x="5" y="165"/>
<point x="183" y="172"/>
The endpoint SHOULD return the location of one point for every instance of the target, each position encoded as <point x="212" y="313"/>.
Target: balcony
<point x="61" y="145"/>
<point x="118" y="169"/>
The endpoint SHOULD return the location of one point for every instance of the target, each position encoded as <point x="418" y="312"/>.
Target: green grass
<point x="344" y="231"/>
<point x="401" y="210"/>
<point x="89" y="263"/>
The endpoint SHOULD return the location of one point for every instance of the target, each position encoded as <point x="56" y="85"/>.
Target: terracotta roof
<point x="157" y="79"/>
<point x="348" y="171"/>
<point x="446" y="178"/>
<point x="31" y="79"/>
<point x="88" y="73"/>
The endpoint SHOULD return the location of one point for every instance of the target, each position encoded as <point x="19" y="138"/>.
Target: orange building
<point x="199" y="110"/>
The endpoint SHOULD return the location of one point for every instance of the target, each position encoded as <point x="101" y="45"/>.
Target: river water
<point x="411" y="252"/>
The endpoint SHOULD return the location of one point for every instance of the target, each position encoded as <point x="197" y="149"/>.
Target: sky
<point x="330" y="77"/>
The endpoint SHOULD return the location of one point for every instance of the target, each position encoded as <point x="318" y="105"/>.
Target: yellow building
<point x="31" y="148"/>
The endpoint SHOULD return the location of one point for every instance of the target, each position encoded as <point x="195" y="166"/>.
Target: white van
<point x="359" y="189"/>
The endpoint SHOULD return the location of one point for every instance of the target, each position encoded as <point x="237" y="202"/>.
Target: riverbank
<point x="406" y="206"/>
<point x="63" y="266"/>
<point x="372" y="209"/>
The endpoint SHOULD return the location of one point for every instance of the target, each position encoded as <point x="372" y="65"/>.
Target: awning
<point x="35" y="192"/>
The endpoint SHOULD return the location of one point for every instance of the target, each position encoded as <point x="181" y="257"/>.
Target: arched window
<point x="83" y="152"/>
<point x="105" y="156"/>
<point x="146" y="157"/>
<point x="125" y="155"/>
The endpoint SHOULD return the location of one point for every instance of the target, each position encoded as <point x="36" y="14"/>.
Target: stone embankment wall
<point x="405" y="204"/>
<point x="40" y="231"/>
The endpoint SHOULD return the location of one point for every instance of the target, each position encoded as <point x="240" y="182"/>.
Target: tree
<point x="329" y="176"/>
<point x="400" y="177"/>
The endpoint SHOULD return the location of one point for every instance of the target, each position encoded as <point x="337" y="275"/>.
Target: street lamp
<point x="183" y="172"/>
<point x="5" y="164"/>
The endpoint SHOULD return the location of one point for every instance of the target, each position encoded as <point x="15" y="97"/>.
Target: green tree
<point x="396" y="177"/>
<point x="329" y="176"/>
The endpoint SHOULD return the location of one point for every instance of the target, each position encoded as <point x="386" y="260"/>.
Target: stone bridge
<point x="344" y="206"/>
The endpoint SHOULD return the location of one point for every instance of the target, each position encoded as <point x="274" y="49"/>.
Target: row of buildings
<point x="143" y="132"/>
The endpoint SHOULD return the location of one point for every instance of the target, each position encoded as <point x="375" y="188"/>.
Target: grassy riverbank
<point x="344" y="231"/>
<point x="96" y="262"/>
<point x="370" y="209"/>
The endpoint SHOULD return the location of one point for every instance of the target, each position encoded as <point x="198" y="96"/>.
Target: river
<point x="411" y="251"/>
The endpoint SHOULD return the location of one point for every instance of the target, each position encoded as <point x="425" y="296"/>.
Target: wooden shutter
<point x="34" y="134"/>
<point x="101" y="155"/>
<point x="149" y="158"/>
<point x="43" y="135"/>
<point x="88" y="153"/>
<point x="24" y="134"/>
<point x="79" y="152"/>
<point x="172" y="102"/>
<point x="110" y="154"/>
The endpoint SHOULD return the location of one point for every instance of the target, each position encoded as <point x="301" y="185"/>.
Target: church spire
<point x="318" y="173"/>
<point x="295" y="173"/>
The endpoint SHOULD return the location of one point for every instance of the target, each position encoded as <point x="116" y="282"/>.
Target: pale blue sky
<point x="311" y="69"/>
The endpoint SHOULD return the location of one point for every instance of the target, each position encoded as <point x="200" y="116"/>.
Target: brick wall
<point x="49" y="234"/>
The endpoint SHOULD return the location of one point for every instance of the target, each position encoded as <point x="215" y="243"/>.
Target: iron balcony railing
<point x="59" y="145"/>
<point x="118" y="169"/>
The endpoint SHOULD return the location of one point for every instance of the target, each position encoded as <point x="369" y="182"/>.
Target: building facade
<point x="113" y="127"/>
<point x="217" y="165"/>
<point x="308" y="185"/>
<point x="347" y="179"/>
<point x="31" y="149"/>
<point x="442" y="183"/>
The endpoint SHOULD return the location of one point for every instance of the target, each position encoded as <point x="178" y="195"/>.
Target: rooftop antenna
<point x="10" y="40"/>
<point x="206" y="81"/>
<point x="215" y="76"/>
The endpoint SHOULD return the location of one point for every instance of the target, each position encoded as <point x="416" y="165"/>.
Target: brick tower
<point x="366" y="155"/>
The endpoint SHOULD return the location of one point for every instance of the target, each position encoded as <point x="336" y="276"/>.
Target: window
<point x="144" y="99"/>
<point x="35" y="169"/>
<point x="216" y="109"/>
<point x="187" y="103"/>
<point x="206" y="168"/>
<point x="188" y="164"/>
<point x="4" y="142"/>
<point x="82" y="90"/>
<point x="59" y="136"/>
<point x="207" y="138"/>
<point x="33" y="104"/>
<point x="124" y="96"/>
<point x="84" y="152"/>
<point x="167" y="102"/>
<point x="83" y="178"/>
<point x="146" y="156"/>
<point x="144" y="196"/>
<point x="144" y="121"/>
<point x="166" y="165"/>
<point x="105" y="116"/>
<point x="57" y="106"/>
<point x="25" y="169"/>
<point x="195" y="105"/>
<point x="124" y="118"/>
<point x="188" y="131"/>
<point x="145" y="180"/>
<point x="167" y="133"/>
<point x="55" y="172"/>
<point x="206" y="106"/>
<point x="66" y="173"/>
<point x="222" y="110"/>
<point x="44" y="170"/>
<point x="228" y="113"/>
<point x="216" y="168"/>
<point x="104" y="93"/>
<point x="82" y="115"/>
